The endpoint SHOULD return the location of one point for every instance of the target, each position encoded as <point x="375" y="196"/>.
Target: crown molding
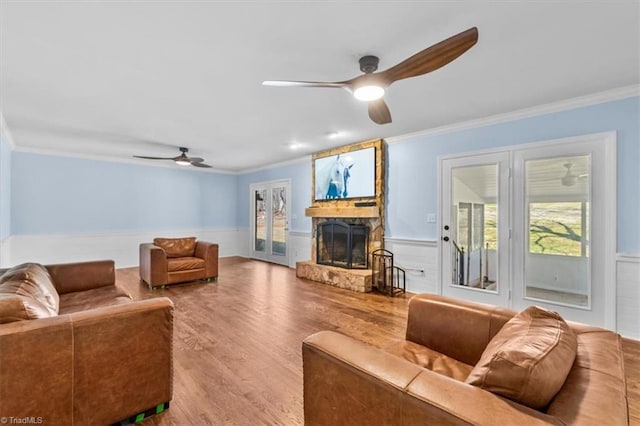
<point x="279" y="164"/>
<point x="137" y="162"/>
<point x="567" y="104"/>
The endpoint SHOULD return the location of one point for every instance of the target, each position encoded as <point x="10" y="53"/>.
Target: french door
<point x="475" y="224"/>
<point x="533" y="225"/>
<point x="270" y="221"/>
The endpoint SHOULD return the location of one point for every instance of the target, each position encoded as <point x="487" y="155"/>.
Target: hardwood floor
<point x="237" y="341"/>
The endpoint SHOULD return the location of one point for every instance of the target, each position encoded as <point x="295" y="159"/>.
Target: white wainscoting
<point x="119" y="246"/>
<point x="628" y="294"/>
<point x="5" y="247"/>
<point x="299" y="247"/>
<point x="419" y="258"/>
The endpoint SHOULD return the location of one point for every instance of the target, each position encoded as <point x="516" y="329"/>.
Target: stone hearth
<point x="351" y="279"/>
<point x="368" y="211"/>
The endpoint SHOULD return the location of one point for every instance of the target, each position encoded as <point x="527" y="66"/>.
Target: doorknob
<point x="445" y="238"/>
<point x="446" y="227"/>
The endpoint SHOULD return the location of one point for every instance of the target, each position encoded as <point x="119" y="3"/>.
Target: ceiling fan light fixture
<point x="368" y="93"/>
<point x="183" y="162"/>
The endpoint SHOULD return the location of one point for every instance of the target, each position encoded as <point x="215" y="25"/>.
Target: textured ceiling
<point x="117" y="79"/>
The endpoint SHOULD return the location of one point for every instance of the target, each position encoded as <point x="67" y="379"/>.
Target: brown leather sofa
<point x="177" y="260"/>
<point x="421" y="380"/>
<point x="76" y="350"/>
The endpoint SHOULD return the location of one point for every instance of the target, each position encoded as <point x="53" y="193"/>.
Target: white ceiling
<point x="118" y="79"/>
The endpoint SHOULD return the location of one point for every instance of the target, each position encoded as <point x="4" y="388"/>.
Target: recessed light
<point x="295" y="145"/>
<point x="333" y="135"/>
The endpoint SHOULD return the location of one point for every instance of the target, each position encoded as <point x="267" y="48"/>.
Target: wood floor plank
<point x="237" y="341"/>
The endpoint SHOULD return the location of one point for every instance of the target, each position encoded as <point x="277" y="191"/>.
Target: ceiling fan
<point x="570" y="179"/>
<point x="371" y="86"/>
<point x="181" y="159"/>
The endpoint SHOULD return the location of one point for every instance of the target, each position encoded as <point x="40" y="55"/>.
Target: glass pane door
<point x="270" y="221"/>
<point x="475" y="227"/>
<point x="564" y="228"/>
<point x="260" y="225"/>
<point x="279" y="220"/>
<point x="557" y="250"/>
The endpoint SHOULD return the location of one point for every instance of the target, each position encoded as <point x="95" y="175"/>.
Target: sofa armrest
<point x="97" y="366"/>
<point x="350" y="382"/>
<point x="153" y="264"/>
<point x="81" y="276"/>
<point x="208" y="252"/>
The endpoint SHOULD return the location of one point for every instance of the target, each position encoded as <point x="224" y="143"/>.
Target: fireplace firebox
<point x="342" y="244"/>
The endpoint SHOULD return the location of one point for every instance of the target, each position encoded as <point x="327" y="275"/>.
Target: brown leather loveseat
<point x="458" y="365"/>
<point x="76" y="350"/>
<point x="177" y="260"/>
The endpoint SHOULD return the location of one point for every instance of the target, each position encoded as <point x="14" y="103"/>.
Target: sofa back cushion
<point x="529" y="359"/>
<point x="177" y="247"/>
<point x="17" y="308"/>
<point x="31" y="280"/>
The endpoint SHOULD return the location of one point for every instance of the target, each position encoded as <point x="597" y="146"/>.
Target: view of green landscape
<point x="554" y="228"/>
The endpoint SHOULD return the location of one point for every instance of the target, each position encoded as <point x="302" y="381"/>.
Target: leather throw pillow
<point x="18" y="308"/>
<point x="529" y="359"/>
<point x="31" y="280"/>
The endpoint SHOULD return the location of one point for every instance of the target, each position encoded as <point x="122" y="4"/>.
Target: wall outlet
<point x="431" y="218"/>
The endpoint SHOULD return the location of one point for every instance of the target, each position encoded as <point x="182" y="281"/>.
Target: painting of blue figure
<point x="348" y="175"/>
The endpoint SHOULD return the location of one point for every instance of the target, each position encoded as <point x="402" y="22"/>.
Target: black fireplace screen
<point x="342" y="244"/>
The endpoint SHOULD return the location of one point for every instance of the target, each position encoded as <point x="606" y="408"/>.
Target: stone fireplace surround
<point x="350" y="211"/>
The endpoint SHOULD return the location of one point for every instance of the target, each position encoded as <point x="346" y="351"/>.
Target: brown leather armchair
<point x="177" y="260"/>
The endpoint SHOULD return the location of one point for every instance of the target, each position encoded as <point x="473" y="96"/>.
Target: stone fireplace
<point x="342" y="244"/>
<point x="364" y="232"/>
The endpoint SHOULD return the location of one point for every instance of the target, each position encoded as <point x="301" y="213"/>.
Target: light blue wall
<point x="412" y="165"/>
<point x="54" y="194"/>
<point x="5" y="189"/>
<point x="300" y="175"/>
<point x="51" y="194"/>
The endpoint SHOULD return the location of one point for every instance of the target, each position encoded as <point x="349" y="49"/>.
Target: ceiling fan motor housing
<point x="369" y="64"/>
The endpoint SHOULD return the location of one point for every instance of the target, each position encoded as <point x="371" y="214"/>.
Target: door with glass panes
<point x="270" y="221"/>
<point x="533" y="225"/>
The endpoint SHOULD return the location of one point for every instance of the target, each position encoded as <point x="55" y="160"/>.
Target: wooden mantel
<point x="346" y="211"/>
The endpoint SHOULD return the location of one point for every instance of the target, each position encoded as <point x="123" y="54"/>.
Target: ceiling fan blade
<point x="154" y="158"/>
<point x="285" y="83"/>
<point x="379" y="112"/>
<point x="198" y="164"/>
<point x="432" y="58"/>
<point x="196" y="159"/>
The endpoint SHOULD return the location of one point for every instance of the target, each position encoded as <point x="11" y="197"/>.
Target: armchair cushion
<point x="31" y="280"/>
<point x="184" y="264"/>
<point x="177" y="247"/>
<point x="529" y="359"/>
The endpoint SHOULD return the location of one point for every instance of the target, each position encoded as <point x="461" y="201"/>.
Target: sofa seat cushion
<point x="14" y="307"/>
<point x="430" y="359"/>
<point x="529" y="359"/>
<point x="185" y="264"/>
<point x="94" y="298"/>
<point x="177" y="247"/>
<point x="31" y="280"/>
